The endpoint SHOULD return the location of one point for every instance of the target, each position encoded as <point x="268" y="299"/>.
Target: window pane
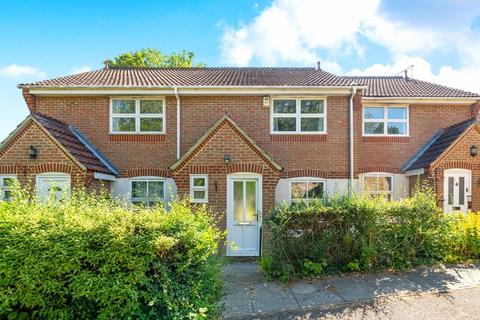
<point x="284" y="124"/>
<point x="251" y="201"/>
<point x="284" y="106"/>
<point x="123" y="106"/>
<point x="123" y="124"/>
<point x="397" y="128"/>
<point x="8" y="182"/>
<point x="139" y="189"/>
<point x="374" y="127"/>
<point x="311" y="124"/>
<point x="312" y="106"/>
<point x="373" y="113"/>
<point x="151" y="106"/>
<point x="384" y="184"/>
<point x="198" y="195"/>
<point x="7" y="195"/>
<point x="461" y="191"/>
<point x="450" y="190"/>
<point x="370" y="184"/>
<point x="155" y="189"/>
<point x="397" y="113"/>
<point x="299" y="190"/>
<point x="151" y="124"/>
<point x="238" y="201"/>
<point x="199" y="182"/>
<point x="315" y="190"/>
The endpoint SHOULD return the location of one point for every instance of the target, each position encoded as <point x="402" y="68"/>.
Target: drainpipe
<point x="350" y="140"/>
<point x="175" y="89"/>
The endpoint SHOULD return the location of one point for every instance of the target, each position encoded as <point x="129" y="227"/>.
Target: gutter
<point x="175" y="90"/>
<point x="350" y="140"/>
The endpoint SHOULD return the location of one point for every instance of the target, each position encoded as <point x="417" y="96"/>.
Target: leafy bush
<point x="463" y="238"/>
<point x="93" y="258"/>
<point x="356" y="234"/>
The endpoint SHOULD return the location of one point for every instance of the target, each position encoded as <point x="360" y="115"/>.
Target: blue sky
<point x="45" y="39"/>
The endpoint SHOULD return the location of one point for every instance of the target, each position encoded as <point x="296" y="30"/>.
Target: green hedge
<point x="340" y="234"/>
<point x="93" y="258"/>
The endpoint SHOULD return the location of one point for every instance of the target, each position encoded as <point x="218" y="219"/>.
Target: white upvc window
<point x="7" y="183"/>
<point x="199" y="188"/>
<point x="385" y="121"/>
<point x="297" y="115"/>
<point x="137" y="115"/>
<point x="378" y="185"/>
<point x="147" y="191"/>
<point x="306" y="189"/>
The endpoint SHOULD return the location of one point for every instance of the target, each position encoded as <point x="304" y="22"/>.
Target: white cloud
<point x="82" y="68"/>
<point x="293" y="30"/>
<point x="17" y="71"/>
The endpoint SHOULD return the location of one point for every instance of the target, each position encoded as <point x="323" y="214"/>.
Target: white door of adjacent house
<point x="56" y="185"/>
<point x="244" y="203"/>
<point x="456" y="190"/>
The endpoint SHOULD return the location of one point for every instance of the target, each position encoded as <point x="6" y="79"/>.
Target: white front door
<point x="53" y="185"/>
<point x="456" y="190"/>
<point x="244" y="203"/>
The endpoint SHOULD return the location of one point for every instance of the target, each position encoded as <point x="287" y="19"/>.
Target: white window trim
<point x="385" y="120"/>
<point x="198" y="188"/>
<point x="146" y="178"/>
<point x="305" y="179"/>
<point x="381" y="175"/>
<point x="298" y="116"/>
<point x="2" y="187"/>
<point x="137" y="115"/>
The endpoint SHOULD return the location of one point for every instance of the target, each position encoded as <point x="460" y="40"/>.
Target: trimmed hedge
<point x="339" y="234"/>
<point x="94" y="258"/>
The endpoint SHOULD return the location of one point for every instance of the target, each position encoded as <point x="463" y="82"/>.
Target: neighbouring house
<point x="243" y="139"/>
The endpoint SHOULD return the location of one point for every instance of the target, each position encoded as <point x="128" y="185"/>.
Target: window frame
<point x="3" y="188"/>
<point x="137" y="115"/>
<point x="146" y="179"/>
<point x="198" y="188"/>
<point x="298" y="115"/>
<point x="378" y="175"/>
<point x="306" y="180"/>
<point x="385" y="121"/>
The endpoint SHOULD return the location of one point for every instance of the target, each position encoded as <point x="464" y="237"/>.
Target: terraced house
<point x="243" y="139"/>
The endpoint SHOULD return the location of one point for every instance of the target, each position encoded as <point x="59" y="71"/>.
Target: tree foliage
<point x="149" y="58"/>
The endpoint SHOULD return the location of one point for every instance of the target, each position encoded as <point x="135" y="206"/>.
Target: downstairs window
<point x="306" y="190"/>
<point x="378" y="185"/>
<point x="7" y="184"/>
<point x="148" y="192"/>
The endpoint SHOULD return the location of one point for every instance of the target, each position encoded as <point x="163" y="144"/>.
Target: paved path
<point x="248" y="295"/>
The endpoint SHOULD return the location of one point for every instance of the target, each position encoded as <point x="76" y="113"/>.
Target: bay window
<point x="147" y="192"/>
<point x="7" y="184"/>
<point x="385" y="121"/>
<point x="146" y="116"/>
<point x="306" y="190"/>
<point x="298" y="115"/>
<point x="378" y="185"/>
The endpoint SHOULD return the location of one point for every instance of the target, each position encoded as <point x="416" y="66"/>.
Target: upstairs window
<point x="385" y="121"/>
<point x="306" y="190"/>
<point x="148" y="192"/>
<point x="199" y="188"/>
<point x="378" y="185"/>
<point x="298" y="116"/>
<point x="7" y="184"/>
<point x="132" y="116"/>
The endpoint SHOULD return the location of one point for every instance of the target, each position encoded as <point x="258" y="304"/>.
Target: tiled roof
<point x="407" y="87"/>
<point x="438" y="144"/>
<point x="70" y="141"/>
<point x="202" y="77"/>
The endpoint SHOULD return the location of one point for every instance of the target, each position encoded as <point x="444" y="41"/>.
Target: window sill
<point x="137" y="137"/>
<point x="387" y="139"/>
<point x="298" y="138"/>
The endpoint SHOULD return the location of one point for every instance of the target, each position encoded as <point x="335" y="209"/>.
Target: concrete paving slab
<point x="310" y="294"/>
<point x="434" y="279"/>
<point x="273" y="296"/>
<point x="350" y="288"/>
<point x="389" y="284"/>
<point x="237" y="301"/>
<point x="243" y="273"/>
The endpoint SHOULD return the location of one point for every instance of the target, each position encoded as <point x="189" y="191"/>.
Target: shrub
<point x="341" y="233"/>
<point x="463" y="238"/>
<point x="94" y="258"/>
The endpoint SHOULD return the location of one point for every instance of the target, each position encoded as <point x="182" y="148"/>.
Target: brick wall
<point x="14" y="159"/>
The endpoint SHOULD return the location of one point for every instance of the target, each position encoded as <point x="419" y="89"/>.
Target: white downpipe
<point x="175" y="89"/>
<point x="350" y="141"/>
